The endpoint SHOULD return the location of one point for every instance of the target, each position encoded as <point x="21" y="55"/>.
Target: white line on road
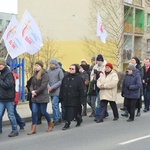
<point x="134" y="140"/>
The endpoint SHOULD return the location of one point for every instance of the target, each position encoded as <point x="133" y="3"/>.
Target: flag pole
<point x="6" y="56"/>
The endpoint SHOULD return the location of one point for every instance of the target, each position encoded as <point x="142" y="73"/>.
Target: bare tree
<point x="114" y="20"/>
<point x="49" y="50"/>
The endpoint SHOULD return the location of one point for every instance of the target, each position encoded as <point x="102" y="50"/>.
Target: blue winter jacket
<point x="131" y="85"/>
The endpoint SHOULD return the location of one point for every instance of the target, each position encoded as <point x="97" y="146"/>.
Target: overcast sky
<point x="9" y="6"/>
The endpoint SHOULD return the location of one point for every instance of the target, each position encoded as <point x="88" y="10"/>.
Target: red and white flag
<point x="28" y="31"/>
<point x="14" y="48"/>
<point x="101" y="32"/>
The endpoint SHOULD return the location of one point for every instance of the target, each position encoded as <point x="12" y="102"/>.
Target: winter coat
<point x="100" y="69"/>
<point x="40" y="88"/>
<point x="131" y="85"/>
<point x="72" y="91"/>
<point x="92" y="88"/>
<point x="146" y="78"/>
<point x="110" y="86"/>
<point x="7" y="85"/>
<point x="16" y="79"/>
<point x="85" y="78"/>
<point x="55" y="79"/>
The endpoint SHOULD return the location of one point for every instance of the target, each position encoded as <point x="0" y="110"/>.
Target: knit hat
<point x="93" y="58"/>
<point x="39" y="62"/>
<point x="3" y="62"/>
<point x="109" y="65"/>
<point x="83" y="66"/>
<point x="53" y="61"/>
<point x="83" y="60"/>
<point x="100" y="58"/>
<point x="131" y="67"/>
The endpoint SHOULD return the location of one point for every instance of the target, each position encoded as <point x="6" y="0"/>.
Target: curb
<point x="29" y="119"/>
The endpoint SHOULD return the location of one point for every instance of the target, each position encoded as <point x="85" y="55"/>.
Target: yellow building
<point x="64" y="21"/>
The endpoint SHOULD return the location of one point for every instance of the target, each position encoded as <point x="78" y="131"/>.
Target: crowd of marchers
<point x="81" y="85"/>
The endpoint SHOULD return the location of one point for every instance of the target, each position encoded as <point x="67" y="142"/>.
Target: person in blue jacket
<point x="131" y="89"/>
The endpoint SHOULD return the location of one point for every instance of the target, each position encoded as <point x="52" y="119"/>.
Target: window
<point x="148" y="45"/>
<point x="148" y="20"/>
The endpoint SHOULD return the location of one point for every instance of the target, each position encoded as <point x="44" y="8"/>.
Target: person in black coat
<point x="72" y="94"/>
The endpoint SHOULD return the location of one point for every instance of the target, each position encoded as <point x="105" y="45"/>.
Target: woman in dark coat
<point x="40" y="97"/>
<point x="72" y="95"/>
<point x="131" y="89"/>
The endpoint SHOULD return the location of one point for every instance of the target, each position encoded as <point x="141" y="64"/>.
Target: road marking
<point x="134" y="140"/>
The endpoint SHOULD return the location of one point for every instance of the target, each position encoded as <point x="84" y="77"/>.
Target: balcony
<point x="134" y="2"/>
<point x="128" y="28"/>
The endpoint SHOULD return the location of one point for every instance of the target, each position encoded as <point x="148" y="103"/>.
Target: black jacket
<point x="72" y="91"/>
<point x="7" y="86"/>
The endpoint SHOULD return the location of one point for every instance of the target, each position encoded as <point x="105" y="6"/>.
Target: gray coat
<point x="55" y="79"/>
<point x="40" y="87"/>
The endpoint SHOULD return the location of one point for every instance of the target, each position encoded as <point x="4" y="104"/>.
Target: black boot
<point x="79" y="121"/>
<point x="84" y="113"/>
<point x="67" y="126"/>
<point x="138" y="114"/>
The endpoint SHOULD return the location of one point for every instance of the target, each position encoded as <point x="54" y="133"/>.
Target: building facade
<point x="4" y="21"/>
<point x="68" y="22"/>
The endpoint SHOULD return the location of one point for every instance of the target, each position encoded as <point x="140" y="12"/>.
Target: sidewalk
<point x="24" y="111"/>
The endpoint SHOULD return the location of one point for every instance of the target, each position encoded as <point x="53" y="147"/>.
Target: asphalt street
<point x="109" y="135"/>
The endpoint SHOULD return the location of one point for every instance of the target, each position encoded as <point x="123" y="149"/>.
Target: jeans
<point x="19" y="120"/>
<point x="43" y="108"/>
<point x="55" y="108"/>
<point x="146" y="98"/>
<point x="10" y="111"/>
<point x="98" y="107"/>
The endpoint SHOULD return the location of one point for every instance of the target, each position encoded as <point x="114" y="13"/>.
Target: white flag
<point x="101" y="32"/>
<point x="29" y="33"/>
<point x="14" y="48"/>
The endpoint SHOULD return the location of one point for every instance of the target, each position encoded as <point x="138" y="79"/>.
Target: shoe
<point x="56" y="123"/>
<point x="50" y="127"/>
<point x="145" y="110"/>
<point x="124" y="115"/>
<point x="84" y="114"/>
<point x="115" y="119"/>
<point x="95" y="119"/>
<point x="123" y="108"/>
<point x="91" y="115"/>
<point x="13" y="133"/>
<point x="99" y="121"/>
<point x="106" y="115"/>
<point x="138" y="114"/>
<point x="79" y="122"/>
<point x="21" y="129"/>
<point x="39" y="122"/>
<point x="67" y="126"/>
<point x="129" y="120"/>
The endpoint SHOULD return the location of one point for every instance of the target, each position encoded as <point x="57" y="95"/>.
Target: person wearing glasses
<point x="72" y="94"/>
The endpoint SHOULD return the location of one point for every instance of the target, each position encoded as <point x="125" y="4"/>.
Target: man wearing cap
<point x="131" y="89"/>
<point x="97" y="71"/>
<point x="7" y="95"/>
<point x="55" y="79"/>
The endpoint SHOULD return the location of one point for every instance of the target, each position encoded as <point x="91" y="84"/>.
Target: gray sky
<point x="9" y="6"/>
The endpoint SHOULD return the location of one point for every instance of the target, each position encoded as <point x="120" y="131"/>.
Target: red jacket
<point x="16" y="77"/>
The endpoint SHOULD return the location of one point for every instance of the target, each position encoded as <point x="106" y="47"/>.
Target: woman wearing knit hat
<point x="108" y="91"/>
<point x="40" y="96"/>
<point x="131" y="89"/>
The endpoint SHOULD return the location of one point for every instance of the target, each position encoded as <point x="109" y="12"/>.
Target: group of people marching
<point x="82" y="85"/>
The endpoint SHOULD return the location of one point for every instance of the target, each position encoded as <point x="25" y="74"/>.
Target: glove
<point x="122" y="94"/>
<point x="128" y="87"/>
